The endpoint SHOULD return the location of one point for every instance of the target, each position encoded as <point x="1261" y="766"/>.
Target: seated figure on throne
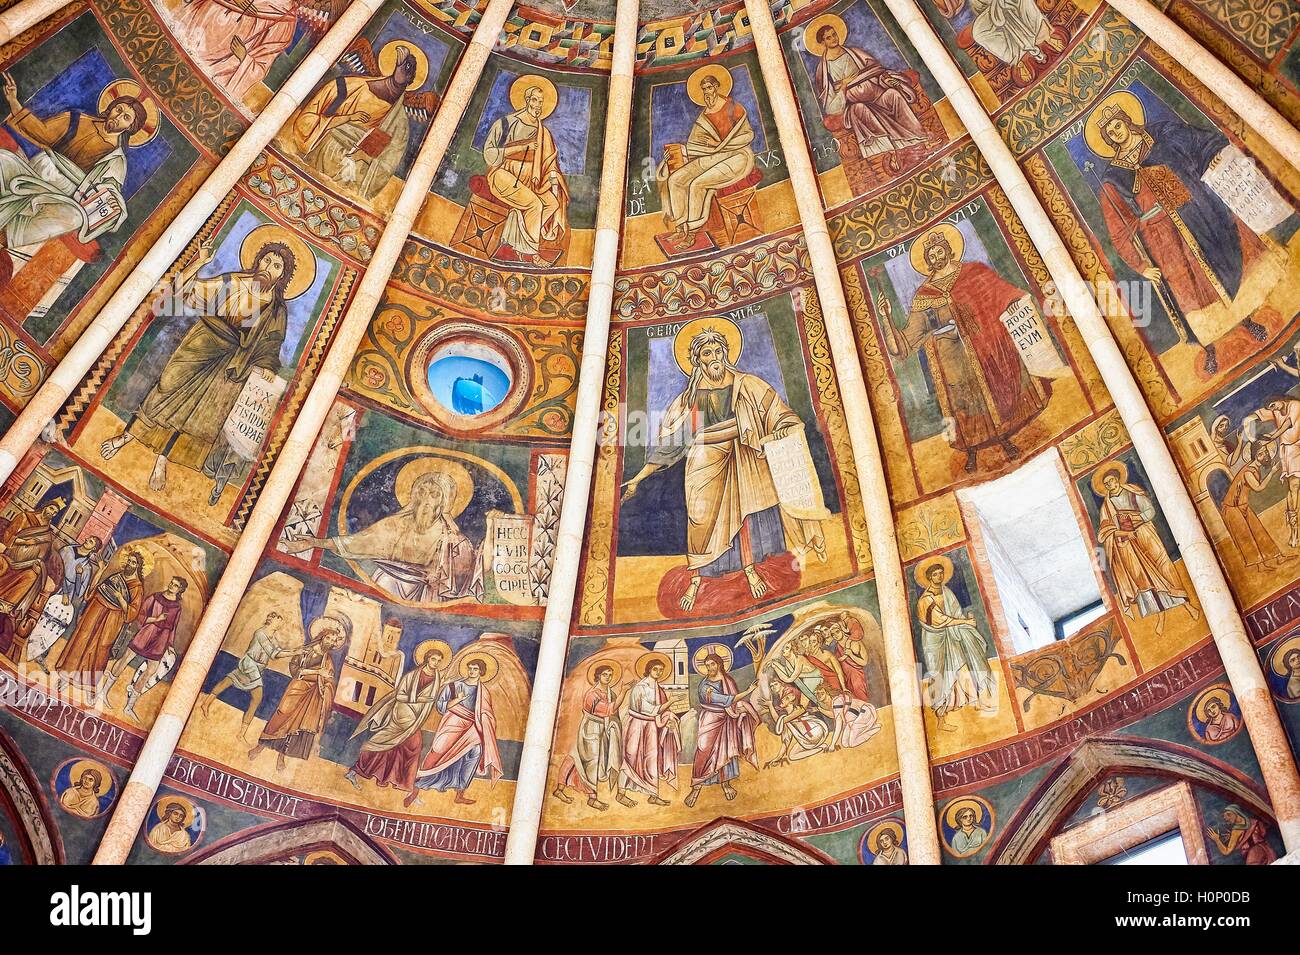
<point x="71" y="188"/>
<point x="519" y="209"/>
<point x="859" y="95"/>
<point x="717" y="158"/>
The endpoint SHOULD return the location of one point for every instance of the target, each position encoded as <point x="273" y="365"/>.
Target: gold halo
<point x="1113" y="467"/>
<point x="319" y="624"/>
<point x="314" y="858"/>
<point x="549" y="95"/>
<point x="1092" y="126"/>
<point x="146" y="565"/>
<point x="423" y="650"/>
<point x="597" y="665"/>
<point x="81" y="765"/>
<point x="388" y="60"/>
<point x="654" y="656"/>
<point x="161" y="806"/>
<point x="729" y="330"/>
<point x="131" y="88"/>
<point x="1219" y="693"/>
<point x="814" y="27"/>
<point x="892" y="825"/>
<point x="489" y="662"/>
<point x="956" y="241"/>
<point x="969" y="802"/>
<point x="923" y="567"/>
<point x="419" y="467"/>
<point x="694" y="81"/>
<point x="721" y="650"/>
<point x="304" y="267"/>
<point x="1277" y="658"/>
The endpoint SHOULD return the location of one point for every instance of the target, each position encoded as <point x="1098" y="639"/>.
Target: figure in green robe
<point x="241" y="326"/>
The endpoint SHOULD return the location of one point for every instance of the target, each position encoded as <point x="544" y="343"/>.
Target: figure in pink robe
<point x="465" y="745"/>
<point x="652" y="737"/>
<point x="235" y="43"/>
<point x="725" y="733"/>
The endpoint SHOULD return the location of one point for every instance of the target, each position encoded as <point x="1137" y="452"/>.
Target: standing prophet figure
<point x="980" y="380"/>
<point x="719" y="424"/>
<point x="956" y="654"/>
<point x="241" y="324"/>
<point x="1145" y="577"/>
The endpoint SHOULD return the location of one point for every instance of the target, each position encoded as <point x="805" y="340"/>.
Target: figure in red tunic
<point x="956" y="318"/>
<point x="391" y="755"/>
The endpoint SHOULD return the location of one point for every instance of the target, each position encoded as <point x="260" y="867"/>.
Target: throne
<point x="733" y="213"/>
<point x="478" y="233"/>
<point x="867" y="173"/>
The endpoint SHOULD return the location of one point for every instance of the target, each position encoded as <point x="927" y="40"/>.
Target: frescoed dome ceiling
<point x="369" y="412"/>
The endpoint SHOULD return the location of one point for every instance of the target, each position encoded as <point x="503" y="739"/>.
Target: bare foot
<point x="463" y="799"/>
<point x="757" y="585"/>
<point x="115" y="444"/>
<point x="688" y="598"/>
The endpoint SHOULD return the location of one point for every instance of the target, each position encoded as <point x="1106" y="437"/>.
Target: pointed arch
<point x="280" y="840"/>
<point x="22" y="799"/>
<point x="725" y="835"/>
<point x="1054" y="799"/>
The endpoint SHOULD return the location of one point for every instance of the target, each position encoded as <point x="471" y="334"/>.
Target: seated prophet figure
<point x="717" y="153"/>
<point x="524" y="175"/>
<point x="872" y="102"/>
<point x="355" y="129"/>
<point x="72" y="186"/>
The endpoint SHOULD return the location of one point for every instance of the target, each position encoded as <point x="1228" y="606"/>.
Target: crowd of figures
<point x="85" y="608"/>
<point x="811" y="693"/>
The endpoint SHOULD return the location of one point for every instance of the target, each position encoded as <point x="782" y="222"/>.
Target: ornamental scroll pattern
<point x="1279" y="93"/>
<point x="837" y="428"/>
<point x="321" y="215"/>
<point x="1068" y="90"/>
<point x="592" y="611"/>
<point x="1262" y="25"/>
<point x="1097" y="441"/>
<point x="483" y="288"/>
<point x="724" y="282"/>
<point x="150" y="50"/>
<point x="21" y="369"/>
<point x="910" y="203"/>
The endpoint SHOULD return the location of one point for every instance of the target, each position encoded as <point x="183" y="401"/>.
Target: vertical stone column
<point x="895" y="620"/>
<point x="188" y="677"/>
<point x="1239" y="659"/>
<point x="1227" y="85"/>
<point x="535" y="757"/>
<point x="144" y="278"/>
<point x="23" y="16"/>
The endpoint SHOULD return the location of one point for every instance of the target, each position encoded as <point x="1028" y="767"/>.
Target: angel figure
<point x="355" y="128"/>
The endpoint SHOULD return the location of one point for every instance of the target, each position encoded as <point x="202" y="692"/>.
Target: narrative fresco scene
<point x="960" y="526"/>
